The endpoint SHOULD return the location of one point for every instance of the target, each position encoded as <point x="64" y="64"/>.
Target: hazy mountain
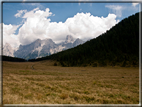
<point x="41" y="48"/>
<point x="8" y="50"/>
<point x="36" y="49"/>
<point x="69" y="43"/>
<point x="77" y="42"/>
<point x="69" y="39"/>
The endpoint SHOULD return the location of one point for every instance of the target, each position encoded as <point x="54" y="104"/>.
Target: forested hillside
<point x="12" y="59"/>
<point x="118" y="46"/>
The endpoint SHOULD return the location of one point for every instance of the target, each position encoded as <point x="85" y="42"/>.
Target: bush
<point x="102" y="63"/>
<point x="55" y="64"/>
<point x="95" y="64"/>
<point x="113" y="63"/>
<point x="124" y="64"/>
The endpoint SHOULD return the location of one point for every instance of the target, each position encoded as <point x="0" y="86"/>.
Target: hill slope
<point x="12" y="59"/>
<point x="118" y="46"/>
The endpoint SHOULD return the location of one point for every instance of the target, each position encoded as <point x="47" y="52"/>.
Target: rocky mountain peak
<point x="8" y="50"/>
<point x="69" y="39"/>
<point x="77" y="42"/>
<point x="37" y="41"/>
<point x="7" y="45"/>
<point x="78" y="39"/>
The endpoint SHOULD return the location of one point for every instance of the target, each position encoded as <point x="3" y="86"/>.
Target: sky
<point x="24" y="22"/>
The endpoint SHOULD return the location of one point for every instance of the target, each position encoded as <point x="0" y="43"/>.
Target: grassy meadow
<point x="43" y="83"/>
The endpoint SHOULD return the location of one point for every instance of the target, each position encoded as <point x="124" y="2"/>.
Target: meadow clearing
<point x="43" y="83"/>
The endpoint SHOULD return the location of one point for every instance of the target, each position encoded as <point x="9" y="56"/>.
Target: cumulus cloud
<point x="85" y="25"/>
<point x="117" y="9"/>
<point x="20" y="12"/>
<point x="81" y="25"/>
<point x="37" y="25"/>
<point x="9" y="36"/>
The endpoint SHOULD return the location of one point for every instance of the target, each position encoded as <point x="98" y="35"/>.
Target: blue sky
<point x="81" y="20"/>
<point x="64" y="10"/>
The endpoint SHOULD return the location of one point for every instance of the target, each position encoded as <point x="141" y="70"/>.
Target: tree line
<point x="12" y="59"/>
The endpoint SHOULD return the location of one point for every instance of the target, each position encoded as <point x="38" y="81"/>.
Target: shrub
<point x="95" y="64"/>
<point x="55" y="64"/>
<point x="124" y="64"/>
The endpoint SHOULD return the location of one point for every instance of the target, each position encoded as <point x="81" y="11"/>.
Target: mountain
<point x="36" y="49"/>
<point x="69" y="39"/>
<point x="41" y="48"/>
<point x="118" y="46"/>
<point x="69" y="43"/>
<point x="77" y="42"/>
<point x="8" y="50"/>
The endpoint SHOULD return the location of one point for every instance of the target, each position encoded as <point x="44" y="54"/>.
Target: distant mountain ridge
<point x="41" y="48"/>
<point x="8" y="50"/>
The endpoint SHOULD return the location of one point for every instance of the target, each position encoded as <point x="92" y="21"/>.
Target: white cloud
<point x="82" y="25"/>
<point x="88" y="26"/>
<point x="37" y="25"/>
<point x="135" y="4"/>
<point x="20" y="12"/>
<point x="9" y="36"/>
<point x="117" y="9"/>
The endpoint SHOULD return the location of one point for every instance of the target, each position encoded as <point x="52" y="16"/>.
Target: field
<point x="44" y="83"/>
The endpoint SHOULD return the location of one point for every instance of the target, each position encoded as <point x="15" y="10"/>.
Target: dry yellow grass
<point x="43" y="83"/>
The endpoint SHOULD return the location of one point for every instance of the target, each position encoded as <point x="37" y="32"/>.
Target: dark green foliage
<point x="55" y="64"/>
<point x="102" y="63"/>
<point x="95" y="64"/>
<point x="12" y="59"/>
<point x="124" y="64"/>
<point x="113" y="63"/>
<point x="118" y="46"/>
